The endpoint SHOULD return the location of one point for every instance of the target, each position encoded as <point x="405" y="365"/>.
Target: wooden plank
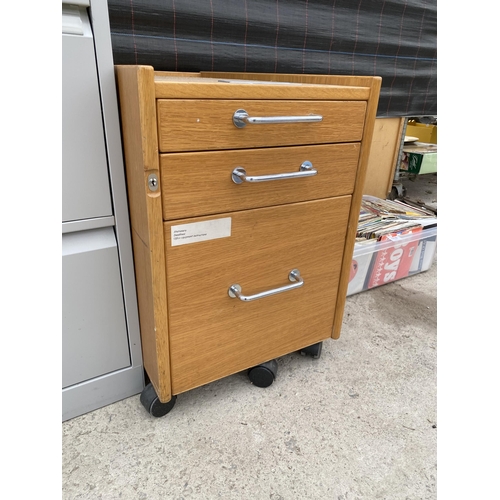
<point x="138" y="120"/>
<point x="383" y="156"/>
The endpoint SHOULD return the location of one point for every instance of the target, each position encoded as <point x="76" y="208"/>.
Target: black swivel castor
<point x="263" y="375"/>
<point x="152" y="403"/>
<point x="312" y="350"/>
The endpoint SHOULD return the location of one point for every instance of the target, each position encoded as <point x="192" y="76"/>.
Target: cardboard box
<point x="376" y="263"/>
<point x="419" y="158"/>
<point x="425" y="133"/>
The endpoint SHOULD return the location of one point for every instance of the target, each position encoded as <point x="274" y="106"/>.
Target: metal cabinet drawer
<point x="85" y="181"/>
<point x="204" y="183"/>
<point x="213" y="335"/>
<point x="202" y="125"/>
<point x="94" y="332"/>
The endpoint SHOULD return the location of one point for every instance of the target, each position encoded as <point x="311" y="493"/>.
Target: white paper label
<point x="200" y="231"/>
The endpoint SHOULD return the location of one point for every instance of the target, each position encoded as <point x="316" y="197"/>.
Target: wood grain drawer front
<point x="213" y="335"/>
<point x="200" y="125"/>
<point x="201" y="183"/>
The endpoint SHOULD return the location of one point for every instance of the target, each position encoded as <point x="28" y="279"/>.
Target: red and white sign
<point x="394" y="262"/>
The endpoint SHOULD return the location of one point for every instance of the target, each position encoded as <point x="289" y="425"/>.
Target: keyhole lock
<point x="152" y="182"/>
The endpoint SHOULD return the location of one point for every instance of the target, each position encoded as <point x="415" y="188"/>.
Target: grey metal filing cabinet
<point x="101" y="349"/>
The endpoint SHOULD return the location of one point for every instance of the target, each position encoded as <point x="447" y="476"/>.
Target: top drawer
<point x="201" y="125"/>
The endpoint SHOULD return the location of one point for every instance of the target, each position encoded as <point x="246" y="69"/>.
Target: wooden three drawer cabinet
<point x="244" y="196"/>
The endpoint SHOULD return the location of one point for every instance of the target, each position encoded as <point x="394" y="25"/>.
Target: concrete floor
<point x="358" y="423"/>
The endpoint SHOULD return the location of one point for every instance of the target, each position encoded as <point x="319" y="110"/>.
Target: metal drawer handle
<point x="235" y="290"/>
<point x="239" y="174"/>
<point x="241" y="118"/>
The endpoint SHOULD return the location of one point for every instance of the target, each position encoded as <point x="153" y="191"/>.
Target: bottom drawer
<point x="213" y="335"/>
<point x="94" y="330"/>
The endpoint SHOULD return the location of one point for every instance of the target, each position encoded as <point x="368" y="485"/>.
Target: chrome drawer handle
<point x="239" y="174"/>
<point x="235" y="290"/>
<point x="241" y="118"/>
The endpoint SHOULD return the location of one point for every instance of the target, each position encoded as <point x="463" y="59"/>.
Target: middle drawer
<point x="206" y="183"/>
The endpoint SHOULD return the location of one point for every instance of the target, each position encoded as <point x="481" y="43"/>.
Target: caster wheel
<point x="263" y="375"/>
<point x="152" y="403"/>
<point x="313" y="350"/>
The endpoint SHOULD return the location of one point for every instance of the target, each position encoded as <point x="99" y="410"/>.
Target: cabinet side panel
<point x="140" y="143"/>
<point x="371" y="113"/>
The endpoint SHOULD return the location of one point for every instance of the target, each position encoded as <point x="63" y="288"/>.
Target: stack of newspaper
<point x="379" y="218"/>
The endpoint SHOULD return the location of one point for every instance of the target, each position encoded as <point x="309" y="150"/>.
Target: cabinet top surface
<point x="236" y="86"/>
<point x="198" y="79"/>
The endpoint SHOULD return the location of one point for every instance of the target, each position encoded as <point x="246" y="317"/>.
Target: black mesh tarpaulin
<point x="396" y="40"/>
